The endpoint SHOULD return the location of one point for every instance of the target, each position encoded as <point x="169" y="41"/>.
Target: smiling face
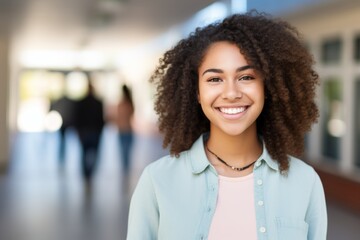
<point x="231" y="91"/>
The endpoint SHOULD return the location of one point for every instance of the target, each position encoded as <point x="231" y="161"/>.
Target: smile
<point x="232" y="111"/>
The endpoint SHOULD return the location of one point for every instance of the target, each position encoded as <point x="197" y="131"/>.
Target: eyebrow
<point x="216" y="70"/>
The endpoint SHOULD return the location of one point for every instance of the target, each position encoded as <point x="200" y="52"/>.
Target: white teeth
<point x="232" y="110"/>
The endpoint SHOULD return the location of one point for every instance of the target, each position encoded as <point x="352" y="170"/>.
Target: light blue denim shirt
<point x="175" y="199"/>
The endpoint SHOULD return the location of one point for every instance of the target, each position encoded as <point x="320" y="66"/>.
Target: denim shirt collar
<point x="265" y="156"/>
<point x="198" y="158"/>
<point x="199" y="161"/>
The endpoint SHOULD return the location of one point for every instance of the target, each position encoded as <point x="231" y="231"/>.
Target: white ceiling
<point x="94" y="24"/>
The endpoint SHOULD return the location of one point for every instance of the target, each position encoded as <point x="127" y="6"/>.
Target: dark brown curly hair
<point x="275" y="48"/>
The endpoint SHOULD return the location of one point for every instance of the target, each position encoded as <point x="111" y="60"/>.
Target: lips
<point x="232" y="110"/>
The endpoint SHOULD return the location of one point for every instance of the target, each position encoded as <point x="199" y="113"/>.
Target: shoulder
<point x="166" y="175"/>
<point x="302" y="173"/>
<point x="300" y="184"/>
<point x="169" y="165"/>
<point x="186" y="165"/>
<point x="299" y="167"/>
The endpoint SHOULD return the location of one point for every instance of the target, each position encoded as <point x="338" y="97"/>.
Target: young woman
<point x="125" y="112"/>
<point x="234" y="100"/>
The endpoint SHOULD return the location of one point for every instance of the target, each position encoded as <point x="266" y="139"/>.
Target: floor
<point x="40" y="201"/>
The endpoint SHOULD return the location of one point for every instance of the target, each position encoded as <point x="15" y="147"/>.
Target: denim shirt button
<point x="262" y="229"/>
<point x="258" y="163"/>
<point x="260" y="203"/>
<point x="259" y="182"/>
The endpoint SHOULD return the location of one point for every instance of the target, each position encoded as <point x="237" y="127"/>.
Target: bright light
<point x="53" y="121"/>
<point x="31" y="115"/>
<point x="336" y="127"/>
<point x="238" y="6"/>
<point x="76" y="85"/>
<point x="90" y="60"/>
<point x="62" y="59"/>
<point x="48" y="59"/>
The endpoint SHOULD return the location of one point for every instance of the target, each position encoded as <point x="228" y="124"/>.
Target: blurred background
<point x="56" y="55"/>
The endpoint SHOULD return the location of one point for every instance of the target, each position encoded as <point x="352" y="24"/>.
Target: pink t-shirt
<point x="234" y="217"/>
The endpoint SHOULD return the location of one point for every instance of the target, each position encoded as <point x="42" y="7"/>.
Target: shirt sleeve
<point x="316" y="216"/>
<point x="144" y="213"/>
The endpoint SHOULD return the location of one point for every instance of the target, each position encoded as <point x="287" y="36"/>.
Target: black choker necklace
<point x="232" y="167"/>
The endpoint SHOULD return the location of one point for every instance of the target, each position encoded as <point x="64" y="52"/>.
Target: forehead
<point x="223" y="55"/>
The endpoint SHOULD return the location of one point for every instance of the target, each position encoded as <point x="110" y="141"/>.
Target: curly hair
<point x="272" y="46"/>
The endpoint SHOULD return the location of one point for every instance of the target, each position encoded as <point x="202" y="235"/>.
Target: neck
<point x="235" y="150"/>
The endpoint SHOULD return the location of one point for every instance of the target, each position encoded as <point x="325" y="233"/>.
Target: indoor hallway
<point x="41" y="201"/>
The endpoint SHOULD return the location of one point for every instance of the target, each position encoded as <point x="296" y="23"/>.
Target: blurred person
<point x="125" y="112"/>
<point x="65" y="106"/>
<point x="235" y="100"/>
<point x="89" y="123"/>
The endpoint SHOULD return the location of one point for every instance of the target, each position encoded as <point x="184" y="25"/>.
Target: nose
<point x="231" y="91"/>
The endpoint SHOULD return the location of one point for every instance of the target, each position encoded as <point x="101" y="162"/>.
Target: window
<point x="357" y="122"/>
<point x="357" y="48"/>
<point x="333" y="122"/>
<point x="331" y="51"/>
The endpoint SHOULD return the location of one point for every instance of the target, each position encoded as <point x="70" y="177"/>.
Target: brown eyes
<point x="214" y="80"/>
<point x="246" y="78"/>
<point x="242" y="78"/>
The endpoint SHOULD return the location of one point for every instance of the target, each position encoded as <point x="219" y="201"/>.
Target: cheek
<point x="258" y="92"/>
<point x="206" y="96"/>
<point x="261" y="97"/>
<point x="202" y="94"/>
